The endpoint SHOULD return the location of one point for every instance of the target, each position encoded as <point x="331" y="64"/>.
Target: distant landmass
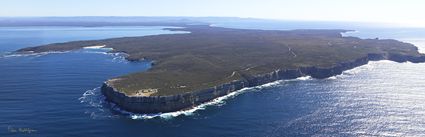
<point x="209" y="62"/>
<point x="96" y="21"/>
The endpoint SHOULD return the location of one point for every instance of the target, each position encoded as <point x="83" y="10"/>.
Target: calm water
<point x="57" y="94"/>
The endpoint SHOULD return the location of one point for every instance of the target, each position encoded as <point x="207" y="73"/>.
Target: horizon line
<point x="234" y="17"/>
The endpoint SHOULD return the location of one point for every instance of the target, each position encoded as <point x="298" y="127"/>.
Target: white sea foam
<point x="94" y="99"/>
<point x="97" y="106"/>
<point x="87" y="94"/>
<point x="333" y="77"/>
<point x="304" y="78"/>
<point x="215" y="102"/>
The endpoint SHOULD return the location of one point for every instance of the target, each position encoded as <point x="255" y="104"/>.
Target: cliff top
<point x="211" y="56"/>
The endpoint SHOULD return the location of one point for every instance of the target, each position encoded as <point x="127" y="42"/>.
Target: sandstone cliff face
<point x="156" y="104"/>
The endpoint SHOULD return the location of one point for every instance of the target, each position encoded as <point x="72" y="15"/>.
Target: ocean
<point x="57" y="94"/>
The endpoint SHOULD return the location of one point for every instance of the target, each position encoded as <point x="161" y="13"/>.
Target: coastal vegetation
<point x="211" y="56"/>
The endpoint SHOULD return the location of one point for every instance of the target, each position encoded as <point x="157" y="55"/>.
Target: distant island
<point x="209" y="62"/>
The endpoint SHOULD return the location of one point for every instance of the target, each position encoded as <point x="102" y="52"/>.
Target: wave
<point x="96" y="101"/>
<point x="303" y="78"/>
<point x="215" y="102"/>
<point x="96" y="104"/>
<point x="119" y="57"/>
<point x="86" y="95"/>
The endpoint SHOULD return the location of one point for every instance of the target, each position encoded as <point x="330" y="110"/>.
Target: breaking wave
<point x="96" y="104"/>
<point x="96" y="101"/>
<point x="215" y="102"/>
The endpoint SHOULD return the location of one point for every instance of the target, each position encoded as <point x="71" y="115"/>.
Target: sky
<point x="399" y="12"/>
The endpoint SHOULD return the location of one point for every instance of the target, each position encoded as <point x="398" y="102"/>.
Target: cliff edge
<point x="210" y="62"/>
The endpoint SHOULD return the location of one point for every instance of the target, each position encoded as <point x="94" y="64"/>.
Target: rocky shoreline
<point x="210" y="62"/>
<point x="161" y="104"/>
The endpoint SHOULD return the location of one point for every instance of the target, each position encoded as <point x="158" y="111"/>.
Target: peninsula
<point x="209" y="62"/>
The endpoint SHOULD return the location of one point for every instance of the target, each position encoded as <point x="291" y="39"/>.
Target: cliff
<point x="209" y="62"/>
<point x="155" y="104"/>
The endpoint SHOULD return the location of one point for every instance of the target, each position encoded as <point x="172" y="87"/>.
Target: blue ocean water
<point x="57" y="94"/>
